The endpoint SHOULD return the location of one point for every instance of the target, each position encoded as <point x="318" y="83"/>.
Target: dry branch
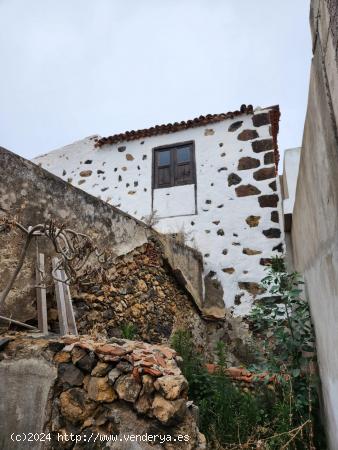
<point x="73" y="248"/>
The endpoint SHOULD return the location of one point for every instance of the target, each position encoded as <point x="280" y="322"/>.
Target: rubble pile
<point x="139" y="291"/>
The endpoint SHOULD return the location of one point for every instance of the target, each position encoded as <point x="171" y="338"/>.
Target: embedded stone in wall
<point x="234" y="126"/>
<point x="171" y="387"/>
<point x="101" y="369"/>
<point x="249" y="251"/>
<point x="265" y="173"/>
<point x="129" y="157"/>
<point x="209" y="132"/>
<point x="247" y="135"/>
<point x="247" y="162"/>
<point x="274" y="216"/>
<point x="86" y="173"/>
<point x="252" y="221"/>
<point x="99" y="171"/>
<point x="268" y="201"/>
<point x="100" y="390"/>
<point x="128" y="388"/>
<point x="229" y="270"/>
<point x="88" y="161"/>
<point x="260" y="119"/>
<point x="272" y="233"/>
<point x="81" y="182"/>
<point x="233" y="178"/>
<point x="168" y="412"/>
<point x="70" y="374"/>
<point x="269" y="158"/>
<point x="251" y="287"/>
<point x="265" y="261"/>
<point x="273" y="185"/>
<point x="220" y="232"/>
<point x="87" y="362"/>
<point x="246" y="190"/>
<point x="75" y="405"/>
<point x="121" y="149"/>
<point x="237" y="300"/>
<point x="278" y="248"/>
<point x="262" y="145"/>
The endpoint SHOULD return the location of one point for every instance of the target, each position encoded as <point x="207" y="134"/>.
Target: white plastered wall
<point x="121" y="174"/>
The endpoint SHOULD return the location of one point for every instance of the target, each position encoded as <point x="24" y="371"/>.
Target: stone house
<point x="211" y="181"/>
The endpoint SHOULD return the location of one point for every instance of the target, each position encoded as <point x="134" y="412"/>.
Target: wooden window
<point x="174" y="165"/>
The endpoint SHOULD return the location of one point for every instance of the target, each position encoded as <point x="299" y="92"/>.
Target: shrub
<point x="274" y="415"/>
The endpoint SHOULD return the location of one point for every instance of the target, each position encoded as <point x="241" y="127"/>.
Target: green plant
<point x="280" y="412"/>
<point x="283" y="323"/>
<point x="227" y="414"/>
<point x="128" y="330"/>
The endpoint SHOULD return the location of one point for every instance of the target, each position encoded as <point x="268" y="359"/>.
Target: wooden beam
<point x="16" y="322"/>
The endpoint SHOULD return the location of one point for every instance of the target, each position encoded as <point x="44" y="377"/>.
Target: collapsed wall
<point x="33" y="195"/>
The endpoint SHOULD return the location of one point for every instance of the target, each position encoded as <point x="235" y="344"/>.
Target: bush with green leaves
<point x="282" y="414"/>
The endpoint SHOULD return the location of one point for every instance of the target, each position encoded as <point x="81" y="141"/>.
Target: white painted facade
<point x="210" y="214"/>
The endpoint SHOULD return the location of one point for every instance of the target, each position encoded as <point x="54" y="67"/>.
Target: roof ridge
<point x="176" y="126"/>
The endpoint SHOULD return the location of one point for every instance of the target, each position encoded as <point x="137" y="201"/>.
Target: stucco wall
<point x="315" y="216"/>
<point x="236" y="225"/>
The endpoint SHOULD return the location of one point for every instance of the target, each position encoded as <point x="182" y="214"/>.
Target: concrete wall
<point x="24" y="405"/>
<point x="33" y="196"/>
<point x="233" y="221"/>
<point x="315" y="215"/>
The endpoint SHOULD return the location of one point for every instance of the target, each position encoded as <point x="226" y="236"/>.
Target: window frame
<point x="173" y="164"/>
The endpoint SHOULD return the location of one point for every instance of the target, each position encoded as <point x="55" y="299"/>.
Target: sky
<point x="74" y="68"/>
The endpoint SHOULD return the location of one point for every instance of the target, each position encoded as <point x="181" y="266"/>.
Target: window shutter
<point x="183" y="165"/>
<point x="163" y="168"/>
<point x="174" y="166"/>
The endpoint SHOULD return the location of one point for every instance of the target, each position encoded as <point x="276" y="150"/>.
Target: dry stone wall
<point x="102" y="389"/>
<point x="141" y="295"/>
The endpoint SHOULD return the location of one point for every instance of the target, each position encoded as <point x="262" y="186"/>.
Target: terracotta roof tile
<point x="176" y="126"/>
